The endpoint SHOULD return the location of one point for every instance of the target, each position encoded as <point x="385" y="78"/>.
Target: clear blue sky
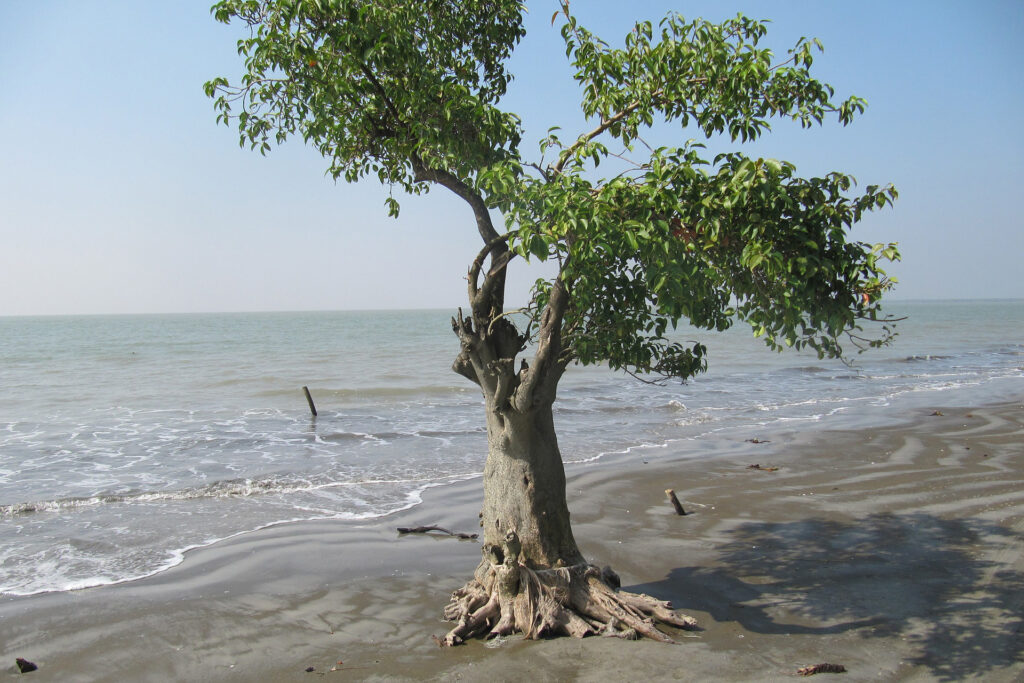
<point x="119" y="194"/>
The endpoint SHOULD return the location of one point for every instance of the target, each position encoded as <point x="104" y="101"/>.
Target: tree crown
<point x="410" y="90"/>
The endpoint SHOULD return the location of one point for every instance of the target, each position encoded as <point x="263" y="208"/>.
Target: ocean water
<point x="125" y="441"/>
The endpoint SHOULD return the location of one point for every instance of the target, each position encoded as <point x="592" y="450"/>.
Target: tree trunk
<point x="532" y="578"/>
<point x="524" y="488"/>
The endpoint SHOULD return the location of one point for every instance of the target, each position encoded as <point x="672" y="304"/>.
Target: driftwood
<point x="428" y="529"/>
<point x="675" y="502"/>
<point x="762" y="469"/>
<point x="821" y="669"/>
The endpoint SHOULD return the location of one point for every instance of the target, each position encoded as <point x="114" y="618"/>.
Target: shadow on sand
<point x="940" y="584"/>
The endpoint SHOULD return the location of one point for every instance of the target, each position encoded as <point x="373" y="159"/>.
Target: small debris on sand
<point x="821" y="669"/>
<point x="24" y="666"/>
<point x="762" y="469"/>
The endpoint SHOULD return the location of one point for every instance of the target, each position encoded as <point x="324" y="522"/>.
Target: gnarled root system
<point x="579" y="600"/>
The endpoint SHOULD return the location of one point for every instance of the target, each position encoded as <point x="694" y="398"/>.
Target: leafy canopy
<point x="410" y="90"/>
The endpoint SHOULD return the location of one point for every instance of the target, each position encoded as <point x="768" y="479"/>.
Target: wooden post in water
<point x="675" y="502"/>
<point x="309" y="400"/>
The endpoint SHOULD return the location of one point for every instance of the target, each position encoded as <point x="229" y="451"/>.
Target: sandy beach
<point x="896" y="552"/>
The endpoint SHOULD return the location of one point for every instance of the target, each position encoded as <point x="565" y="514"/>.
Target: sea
<point x="126" y="441"/>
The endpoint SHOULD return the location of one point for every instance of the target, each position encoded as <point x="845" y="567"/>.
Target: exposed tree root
<point x="579" y="600"/>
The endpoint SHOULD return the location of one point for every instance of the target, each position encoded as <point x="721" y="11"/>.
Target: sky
<point x="120" y="194"/>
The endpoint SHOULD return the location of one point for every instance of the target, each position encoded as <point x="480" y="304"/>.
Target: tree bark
<point x="524" y="488"/>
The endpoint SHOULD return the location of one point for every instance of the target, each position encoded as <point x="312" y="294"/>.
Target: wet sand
<point x="897" y="552"/>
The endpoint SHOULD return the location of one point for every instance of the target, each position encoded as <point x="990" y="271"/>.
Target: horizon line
<point x="395" y="310"/>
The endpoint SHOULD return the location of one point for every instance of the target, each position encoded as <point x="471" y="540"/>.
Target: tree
<point x="410" y="91"/>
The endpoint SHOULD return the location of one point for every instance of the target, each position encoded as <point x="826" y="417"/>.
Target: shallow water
<point x="127" y="440"/>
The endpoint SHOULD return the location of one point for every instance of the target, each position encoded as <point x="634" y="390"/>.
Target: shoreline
<point x="157" y="438"/>
<point x="895" y="551"/>
<point x="712" y="442"/>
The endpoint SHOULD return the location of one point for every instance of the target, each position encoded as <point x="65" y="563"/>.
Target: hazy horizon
<point x="440" y="309"/>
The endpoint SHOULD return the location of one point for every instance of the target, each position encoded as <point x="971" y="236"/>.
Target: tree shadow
<point x="928" y="580"/>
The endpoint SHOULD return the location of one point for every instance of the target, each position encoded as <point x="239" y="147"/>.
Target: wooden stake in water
<point x="675" y="502"/>
<point x="309" y="400"/>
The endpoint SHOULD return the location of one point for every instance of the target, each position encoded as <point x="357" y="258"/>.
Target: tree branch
<point x="548" y="364"/>
<point x="584" y="139"/>
<point x="494" y="282"/>
<point x="489" y="301"/>
<point x="422" y="173"/>
<point x="478" y="262"/>
<point x="381" y="92"/>
<point x="605" y="124"/>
